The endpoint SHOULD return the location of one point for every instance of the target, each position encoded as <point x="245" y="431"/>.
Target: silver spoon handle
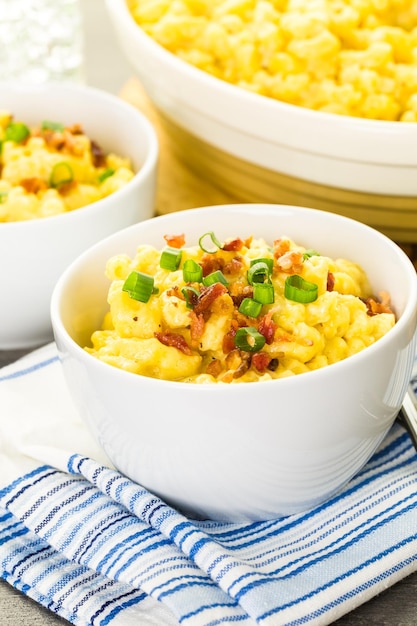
<point x="408" y="415"/>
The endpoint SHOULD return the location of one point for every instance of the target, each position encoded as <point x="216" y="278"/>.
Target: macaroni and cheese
<point x="52" y="169"/>
<point x="356" y="58"/>
<point x="235" y="311"/>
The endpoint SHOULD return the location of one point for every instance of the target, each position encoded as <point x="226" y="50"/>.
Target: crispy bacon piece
<point x="238" y="361"/>
<point x="229" y="338"/>
<point x="196" y="327"/>
<point x="233" y="359"/>
<point x="330" y="281"/>
<point x="33" y="185"/>
<point x="175" y="241"/>
<point x="214" y="368"/>
<point x="99" y="158"/>
<point x="261" y="361"/>
<point x="267" y="327"/>
<point x="65" y="188"/>
<point x="234" y="245"/>
<point x="280" y="246"/>
<point x="243" y="367"/>
<point x="211" y="263"/>
<point x="207" y="297"/>
<point x="175" y="340"/>
<point x="239" y="291"/>
<point x="286" y="260"/>
<point x="290" y="262"/>
<point x="378" y="306"/>
<point x="75" y="129"/>
<point x="234" y="266"/>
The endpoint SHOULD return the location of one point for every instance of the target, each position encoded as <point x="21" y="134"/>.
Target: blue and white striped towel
<point x="97" y="549"/>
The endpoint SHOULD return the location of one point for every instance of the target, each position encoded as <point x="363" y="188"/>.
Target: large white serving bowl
<point x="245" y="451"/>
<point x="34" y="253"/>
<point x="365" y="169"/>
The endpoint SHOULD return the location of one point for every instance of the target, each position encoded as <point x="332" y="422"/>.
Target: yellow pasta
<point x="352" y="58"/>
<point x="189" y="327"/>
<point x="51" y="169"/>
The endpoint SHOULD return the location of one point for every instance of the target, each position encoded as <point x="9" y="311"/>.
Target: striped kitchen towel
<point x="98" y="549"/>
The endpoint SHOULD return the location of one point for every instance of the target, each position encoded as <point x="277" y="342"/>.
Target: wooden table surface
<point x="179" y="189"/>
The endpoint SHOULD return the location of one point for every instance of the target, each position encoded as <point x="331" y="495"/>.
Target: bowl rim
<point x="148" y="165"/>
<point x="350" y="362"/>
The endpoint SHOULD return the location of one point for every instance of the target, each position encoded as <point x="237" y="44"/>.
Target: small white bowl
<point x="247" y="451"/>
<point x="34" y="253"/>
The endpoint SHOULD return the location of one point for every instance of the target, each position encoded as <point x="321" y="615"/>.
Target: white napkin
<point x="98" y="549"/>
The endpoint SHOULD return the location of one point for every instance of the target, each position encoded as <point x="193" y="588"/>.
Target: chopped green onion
<point x="214" y="240"/>
<point x="250" y="307"/>
<point x="61" y="173"/>
<point x="300" y="290"/>
<point x="267" y="260"/>
<point x="139" y="286"/>
<point x="170" y="259"/>
<point x="263" y="293"/>
<point x="249" y="339"/>
<point x="48" y="125"/>
<point x="16" y="131"/>
<point x="309" y="253"/>
<point x="106" y="174"/>
<point x="192" y="272"/>
<point x="215" y="277"/>
<point x="191" y="295"/>
<point x="3" y="196"/>
<point x="258" y="272"/>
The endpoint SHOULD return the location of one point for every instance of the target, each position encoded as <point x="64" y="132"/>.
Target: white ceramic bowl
<point x="249" y="450"/>
<point x="344" y="152"/>
<point x="34" y="253"/>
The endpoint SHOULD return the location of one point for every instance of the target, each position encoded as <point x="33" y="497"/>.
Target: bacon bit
<point x="234" y="245"/>
<point x="65" y="188"/>
<point x="53" y="138"/>
<point x="214" y="368"/>
<point x="175" y="241"/>
<point x="239" y="291"/>
<point x="233" y="359"/>
<point x="243" y="367"/>
<point x="175" y="340"/>
<point x="196" y="327"/>
<point x="374" y="306"/>
<point x="175" y="291"/>
<point x="234" y="266"/>
<point x="261" y="361"/>
<point x="208" y="295"/>
<point x="33" y="185"/>
<point x="229" y="338"/>
<point x="75" y="129"/>
<point x="330" y="281"/>
<point x="290" y="262"/>
<point x="99" y="158"/>
<point x="267" y="327"/>
<point x="211" y="263"/>
<point x="280" y="246"/>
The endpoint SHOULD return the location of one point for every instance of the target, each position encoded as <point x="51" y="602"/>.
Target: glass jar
<point x="41" y="41"/>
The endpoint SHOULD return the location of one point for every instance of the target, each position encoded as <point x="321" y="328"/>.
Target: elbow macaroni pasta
<point x="356" y="58"/>
<point x="169" y="338"/>
<point x="28" y="165"/>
